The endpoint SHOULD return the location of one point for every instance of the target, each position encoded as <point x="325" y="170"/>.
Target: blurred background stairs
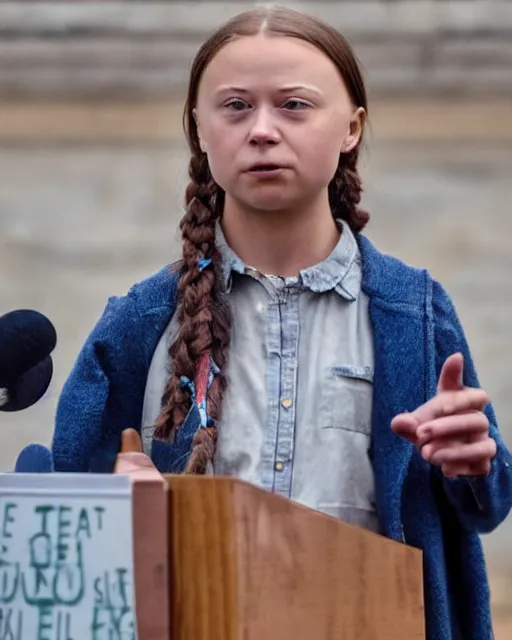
<point x="93" y="166"/>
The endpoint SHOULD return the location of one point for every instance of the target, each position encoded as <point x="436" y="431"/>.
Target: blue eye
<point x="296" y="105"/>
<point x="236" y="105"/>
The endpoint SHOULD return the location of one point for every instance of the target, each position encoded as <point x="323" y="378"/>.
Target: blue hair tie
<point x="203" y="263"/>
<point x="186" y="383"/>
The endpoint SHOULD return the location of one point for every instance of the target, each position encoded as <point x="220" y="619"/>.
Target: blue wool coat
<point x="415" y="329"/>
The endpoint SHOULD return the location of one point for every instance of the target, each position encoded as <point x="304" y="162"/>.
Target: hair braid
<point x="345" y="191"/>
<point x="203" y="315"/>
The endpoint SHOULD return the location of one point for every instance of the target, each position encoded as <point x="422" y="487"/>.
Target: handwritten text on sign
<point x="66" y="558"/>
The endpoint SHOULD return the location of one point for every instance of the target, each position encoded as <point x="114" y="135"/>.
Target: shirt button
<point x="287" y="403"/>
<point x="279" y="466"/>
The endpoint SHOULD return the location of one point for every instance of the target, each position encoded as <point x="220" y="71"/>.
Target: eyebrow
<point x="225" y="89"/>
<point x="284" y="89"/>
<point x="299" y="87"/>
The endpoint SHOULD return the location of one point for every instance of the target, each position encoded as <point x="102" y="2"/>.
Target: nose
<point x="263" y="130"/>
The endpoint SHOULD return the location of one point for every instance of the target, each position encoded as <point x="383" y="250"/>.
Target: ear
<point x="355" y="130"/>
<point x="202" y="143"/>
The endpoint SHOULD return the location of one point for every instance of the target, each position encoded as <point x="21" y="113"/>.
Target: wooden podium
<point x="218" y="559"/>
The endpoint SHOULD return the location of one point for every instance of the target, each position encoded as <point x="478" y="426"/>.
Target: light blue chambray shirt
<point x="300" y="431"/>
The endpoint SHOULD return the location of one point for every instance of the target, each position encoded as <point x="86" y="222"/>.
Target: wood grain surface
<point x="247" y="564"/>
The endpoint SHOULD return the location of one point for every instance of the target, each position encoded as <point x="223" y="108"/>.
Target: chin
<point x="270" y="202"/>
<point x="270" y="207"/>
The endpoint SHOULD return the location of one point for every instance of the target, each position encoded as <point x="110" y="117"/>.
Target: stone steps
<point x="353" y="17"/>
<point x="134" y="49"/>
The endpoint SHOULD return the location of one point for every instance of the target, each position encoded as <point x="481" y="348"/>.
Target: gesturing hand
<point x="132" y="461"/>
<point x="451" y="430"/>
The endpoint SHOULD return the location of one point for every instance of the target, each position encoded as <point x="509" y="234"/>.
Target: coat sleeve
<point x="81" y="426"/>
<point x="482" y="502"/>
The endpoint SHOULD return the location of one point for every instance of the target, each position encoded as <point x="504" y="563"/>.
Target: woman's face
<point x="273" y="116"/>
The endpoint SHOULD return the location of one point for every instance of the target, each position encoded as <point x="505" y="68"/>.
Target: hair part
<point x="203" y="312"/>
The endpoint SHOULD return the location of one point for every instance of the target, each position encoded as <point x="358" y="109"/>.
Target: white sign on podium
<point x="66" y="557"/>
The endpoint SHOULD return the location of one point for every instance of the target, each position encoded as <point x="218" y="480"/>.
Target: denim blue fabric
<point x="296" y="414"/>
<point x="415" y="329"/>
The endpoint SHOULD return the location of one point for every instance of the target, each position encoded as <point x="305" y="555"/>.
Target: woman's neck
<point x="280" y="243"/>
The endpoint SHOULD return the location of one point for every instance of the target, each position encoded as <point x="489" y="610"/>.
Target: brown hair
<point x="203" y="313"/>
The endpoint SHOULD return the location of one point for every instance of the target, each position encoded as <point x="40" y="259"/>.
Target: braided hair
<point x="203" y="312"/>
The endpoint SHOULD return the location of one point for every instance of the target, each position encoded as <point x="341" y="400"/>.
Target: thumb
<point x="131" y="460"/>
<point x="130" y="441"/>
<point x="451" y="373"/>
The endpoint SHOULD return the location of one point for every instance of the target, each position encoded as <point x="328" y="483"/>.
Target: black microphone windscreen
<point x="26" y="338"/>
<point x="35" y="458"/>
<point x="29" y="387"/>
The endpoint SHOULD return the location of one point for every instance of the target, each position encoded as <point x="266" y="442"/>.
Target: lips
<point x="266" y="167"/>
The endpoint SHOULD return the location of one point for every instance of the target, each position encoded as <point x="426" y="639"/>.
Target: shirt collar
<point x="341" y="271"/>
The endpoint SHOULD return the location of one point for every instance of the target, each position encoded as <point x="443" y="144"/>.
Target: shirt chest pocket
<point x="347" y="398"/>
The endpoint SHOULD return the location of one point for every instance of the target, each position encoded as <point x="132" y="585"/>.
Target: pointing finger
<point x="450" y="378"/>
